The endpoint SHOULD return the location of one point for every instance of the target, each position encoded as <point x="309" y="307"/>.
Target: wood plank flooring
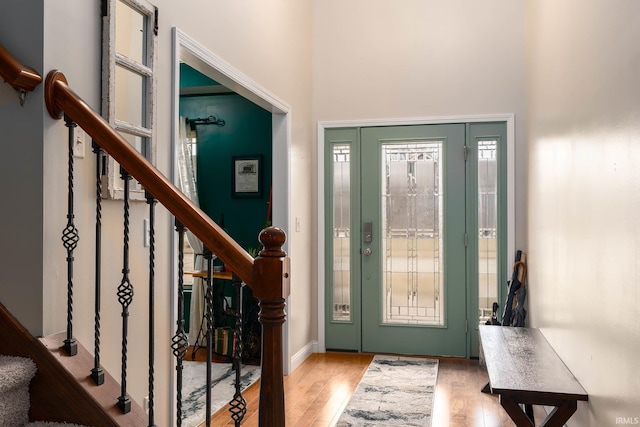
<point x="318" y="390"/>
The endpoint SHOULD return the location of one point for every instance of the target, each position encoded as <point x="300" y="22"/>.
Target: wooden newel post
<point x="271" y="287"/>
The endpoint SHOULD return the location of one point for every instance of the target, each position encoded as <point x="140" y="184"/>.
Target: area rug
<point x="223" y="378"/>
<point x="395" y="391"/>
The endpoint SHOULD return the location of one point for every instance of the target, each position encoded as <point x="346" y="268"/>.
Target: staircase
<point x="16" y="374"/>
<point x="59" y="388"/>
<point x="62" y="388"/>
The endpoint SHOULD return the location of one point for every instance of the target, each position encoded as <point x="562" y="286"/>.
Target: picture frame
<point x="246" y="179"/>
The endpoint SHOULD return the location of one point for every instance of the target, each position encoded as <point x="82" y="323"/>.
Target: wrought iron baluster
<point x="208" y="256"/>
<point x="151" y="201"/>
<point x="180" y="341"/>
<point x="238" y="405"/>
<point x="97" y="373"/>
<point x="70" y="239"/>
<point x="125" y="296"/>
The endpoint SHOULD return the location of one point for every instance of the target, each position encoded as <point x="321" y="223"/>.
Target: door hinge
<point x="466" y="239"/>
<point x="466" y="326"/>
<point x="466" y="152"/>
<point x="155" y="22"/>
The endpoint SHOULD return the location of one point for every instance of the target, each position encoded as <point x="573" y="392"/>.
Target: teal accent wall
<point x="191" y="78"/>
<point x="247" y="132"/>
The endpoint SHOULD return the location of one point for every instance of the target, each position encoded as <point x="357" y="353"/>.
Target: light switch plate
<point x="79" y="144"/>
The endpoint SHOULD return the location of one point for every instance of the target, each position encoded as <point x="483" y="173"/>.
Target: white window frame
<point x="113" y="187"/>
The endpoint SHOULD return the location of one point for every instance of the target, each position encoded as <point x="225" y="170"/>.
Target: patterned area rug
<point x="395" y="391"/>
<point x="223" y="379"/>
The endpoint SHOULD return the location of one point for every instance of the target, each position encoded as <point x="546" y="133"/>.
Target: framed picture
<point x="247" y="176"/>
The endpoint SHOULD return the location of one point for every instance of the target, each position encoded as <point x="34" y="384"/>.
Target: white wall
<point x="584" y="195"/>
<point x="268" y="41"/>
<point x="379" y="59"/>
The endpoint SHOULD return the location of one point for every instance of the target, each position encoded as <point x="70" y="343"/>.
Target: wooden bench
<point x="524" y="369"/>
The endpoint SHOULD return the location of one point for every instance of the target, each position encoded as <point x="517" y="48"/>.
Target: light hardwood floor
<point x="319" y="389"/>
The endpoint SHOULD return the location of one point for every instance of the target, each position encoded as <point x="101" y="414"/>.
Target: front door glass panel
<point x="412" y="205"/>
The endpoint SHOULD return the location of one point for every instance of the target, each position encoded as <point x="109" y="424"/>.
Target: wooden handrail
<point x="60" y="99"/>
<point x="17" y="75"/>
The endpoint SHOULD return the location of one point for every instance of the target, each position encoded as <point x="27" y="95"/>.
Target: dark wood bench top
<point x="521" y="363"/>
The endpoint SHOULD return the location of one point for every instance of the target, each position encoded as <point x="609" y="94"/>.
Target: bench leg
<point x="528" y="409"/>
<point x="557" y="418"/>
<point x="486" y="389"/>
<point x="560" y="414"/>
<point x="515" y="412"/>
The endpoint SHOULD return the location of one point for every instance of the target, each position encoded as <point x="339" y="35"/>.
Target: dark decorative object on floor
<point x="253" y="332"/>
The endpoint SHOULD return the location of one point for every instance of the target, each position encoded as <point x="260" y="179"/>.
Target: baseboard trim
<point x="302" y="355"/>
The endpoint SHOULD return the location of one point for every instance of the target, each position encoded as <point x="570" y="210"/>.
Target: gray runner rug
<point x="395" y="391"/>
<point x="223" y="380"/>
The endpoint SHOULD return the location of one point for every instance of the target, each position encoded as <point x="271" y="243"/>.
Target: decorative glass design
<point x="487" y="226"/>
<point x="341" y="232"/>
<point x="412" y="230"/>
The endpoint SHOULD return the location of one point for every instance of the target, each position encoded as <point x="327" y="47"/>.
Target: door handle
<point x="366" y="252"/>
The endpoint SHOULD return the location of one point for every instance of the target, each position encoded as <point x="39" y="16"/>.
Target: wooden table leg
<point x="560" y="414"/>
<point x="486" y="389"/>
<point x="557" y="418"/>
<point x="515" y="412"/>
<point x="528" y="409"/>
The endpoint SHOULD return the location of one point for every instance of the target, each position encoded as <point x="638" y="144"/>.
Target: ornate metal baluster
<point x="210" y="325"/>
<point x="151" y="201"/>
<point x="125" y="296"/>
<point x="97" y="373"/>
<point x="70" y="239"/>
<point x="238" y="404"/>
<point x="180" y="341"/>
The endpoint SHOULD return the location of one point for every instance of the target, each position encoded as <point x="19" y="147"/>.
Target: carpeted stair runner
<point x="16" y="374"/>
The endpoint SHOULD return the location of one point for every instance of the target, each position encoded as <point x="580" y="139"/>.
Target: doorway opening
<point x="188" y="51"/>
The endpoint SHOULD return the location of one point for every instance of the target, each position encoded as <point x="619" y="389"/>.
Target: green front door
<point x="399" y="275"/>
<point x="413" y="275"/>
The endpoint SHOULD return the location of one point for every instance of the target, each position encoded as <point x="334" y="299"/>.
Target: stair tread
<point x="79" y="366"/>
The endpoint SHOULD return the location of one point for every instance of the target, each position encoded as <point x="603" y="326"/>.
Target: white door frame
<point x="186" y="49"/>
<point x="323" y="125"/>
